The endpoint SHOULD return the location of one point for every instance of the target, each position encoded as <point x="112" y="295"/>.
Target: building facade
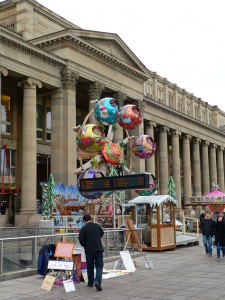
<point x="50" y="72"/>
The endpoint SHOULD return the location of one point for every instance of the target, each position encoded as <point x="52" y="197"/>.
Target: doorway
<point x="43" y="172"/>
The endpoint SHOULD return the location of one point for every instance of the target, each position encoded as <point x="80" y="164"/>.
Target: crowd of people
<point x="213" y="226"/>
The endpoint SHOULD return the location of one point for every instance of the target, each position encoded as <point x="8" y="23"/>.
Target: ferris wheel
<point x="97" y="141"/>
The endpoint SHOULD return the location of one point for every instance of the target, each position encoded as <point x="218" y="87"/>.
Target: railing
<point x="190" y="226"/>
<point x="19" y="253"/>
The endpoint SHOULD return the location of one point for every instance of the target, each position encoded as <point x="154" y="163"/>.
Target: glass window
<point x="48" y="123"/>
<point x="39" y="121"/>
<point x="8" y="164"/>
<point x="154" y="215"/>
<point x="166" y="213"/>
<point x="160" y="95"/>
<point x="6" y="114"/>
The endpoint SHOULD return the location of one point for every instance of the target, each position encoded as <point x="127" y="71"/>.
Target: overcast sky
<point x="181" y="40"/>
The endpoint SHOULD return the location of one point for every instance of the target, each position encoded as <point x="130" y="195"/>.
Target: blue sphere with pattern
<point x="107" y="111"/>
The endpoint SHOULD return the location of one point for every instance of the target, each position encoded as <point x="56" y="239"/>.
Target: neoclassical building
<point x="51" y="70"/>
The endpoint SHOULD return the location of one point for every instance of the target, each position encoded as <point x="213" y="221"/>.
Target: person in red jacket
<point x="90" y="238"/>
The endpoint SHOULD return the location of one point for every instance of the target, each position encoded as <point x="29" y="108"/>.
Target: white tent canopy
<point x="153" y="200"/>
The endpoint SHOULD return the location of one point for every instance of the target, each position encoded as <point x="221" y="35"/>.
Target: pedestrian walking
<point x="220" y="235"/>
<point x="90" y="238"/>
<point x="208" y="227"/>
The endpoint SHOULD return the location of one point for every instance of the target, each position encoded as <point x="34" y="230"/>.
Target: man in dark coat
<point x="220" y="235"/>
<point x="208" y="227"/>
<point x="90" y="238"/>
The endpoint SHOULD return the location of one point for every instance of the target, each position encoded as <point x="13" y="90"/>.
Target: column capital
<point x="220" y="148"/>
<point x="176" y="133"/>
<point x="3" y="71"/>
<point x="163" y="129"/>
<point x="213" y="146"/>
<point x="69" y="78"/>
<point x="151" y="124"/>
<point x="196" y="140"/>
<point x="205" y="143"/>
<point x="141" y="105"/>
<point x="95" y="90"/>
<point x="187" y="136"/>
<point x="29" y="82"/>
<point x="120" y="97"/>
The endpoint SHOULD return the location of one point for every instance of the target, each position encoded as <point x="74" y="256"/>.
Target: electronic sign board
<point x="114" y="183"/>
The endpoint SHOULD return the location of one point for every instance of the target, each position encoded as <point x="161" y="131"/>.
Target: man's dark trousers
<point x="94" y="259"/>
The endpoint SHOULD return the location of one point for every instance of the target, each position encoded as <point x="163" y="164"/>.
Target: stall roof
<point x="153" y="200"/>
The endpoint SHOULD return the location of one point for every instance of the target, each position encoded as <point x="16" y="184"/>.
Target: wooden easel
<point x="133" y="239"/>
<point x="64" y="250"/>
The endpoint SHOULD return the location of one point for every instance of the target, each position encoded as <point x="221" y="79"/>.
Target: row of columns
<point x="205" y="165"/>
<point x="63" y="150"/>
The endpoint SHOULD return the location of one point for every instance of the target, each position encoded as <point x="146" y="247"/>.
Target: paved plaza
<point x="185" y="273"/>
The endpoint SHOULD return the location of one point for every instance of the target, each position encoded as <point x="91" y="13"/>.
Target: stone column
<point x="150" y="162"/>
<point x="205" y="168"/>
<point x="163" y="160"/>
<point x="4" y="72"/>
<point x="212" y="164"/>
<point x="95" y="91"/>
<point x="176" y="165"/>
<point x="220" y="168"/>
<point x="29" y="155"/>
<point x="187" y="169"/>
<point x="56" y="135"/>
<point x="196" y="168"/>
<point x="67" y="109"/>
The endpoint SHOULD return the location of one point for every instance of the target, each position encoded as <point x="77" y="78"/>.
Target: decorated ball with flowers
<point x="90" y="138"/>
<point x="89" y="174"/>
<point x="152" y="187"/>
<point x="107" y="111"/>
<point x="112" y="153"/>
<point x="143" y="147"/>
<point x="130" y="117"/>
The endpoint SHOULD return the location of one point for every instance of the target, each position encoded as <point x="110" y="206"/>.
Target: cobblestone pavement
<point x="185" y="273"/>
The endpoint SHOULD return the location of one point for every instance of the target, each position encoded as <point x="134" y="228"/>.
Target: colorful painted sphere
<point x="130" y="117"/>
<point x="88" y="174"/>
<point x="90" y="138"/>
<point x="107" y="111"/>
<point x="112" y="153"/>
<point x="152" y="187"/>
<point x="143" y="147"/>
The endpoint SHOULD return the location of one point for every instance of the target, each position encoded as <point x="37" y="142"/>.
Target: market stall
<point x="156" y="216"/>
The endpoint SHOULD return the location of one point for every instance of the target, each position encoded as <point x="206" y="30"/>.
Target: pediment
<point x="108" y="44"/>
<point x="113" y="45"/>
<point x="113" y="49"/>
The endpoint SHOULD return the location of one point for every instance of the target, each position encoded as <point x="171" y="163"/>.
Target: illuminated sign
<point x="114" y="183"/>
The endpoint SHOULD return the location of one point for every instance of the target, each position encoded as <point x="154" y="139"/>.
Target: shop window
<point x="48" y="124"/>
<point x="6" y="114"/>
<point x="8" y="165"/>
